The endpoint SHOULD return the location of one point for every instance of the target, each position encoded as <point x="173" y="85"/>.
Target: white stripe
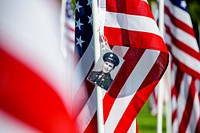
<point x="152" y="102"/>
<point x="197" y="84"/>
<point x="183" y="94"/>
<point x="86" y="114"/>
<point x="195" y="115"/>
<point x="173" y="74"/>
<point x="132" y="128"/>
<point x="145" y="1"/>
<point x="102" y="14"/>
<point x="126" y="94"/>
<point x="142" y="68"/>
<point x="131" y="22"/>
<point x="120" y="50"/>
<point x="186" y="59"/>
<point x="173" y="99"/>
<point x="83" y="67"/>
<point x="119" y="106"/>
<point x="88" y="111"/>
<point x="174" y="103"/>
<point x="181" y="35"/>
<point x="70" y="23"/>
<point x="175" y="126"/>
<point x="179" y="13"/>
<point x="70" y="35"/>
<point x="168" y="39"/>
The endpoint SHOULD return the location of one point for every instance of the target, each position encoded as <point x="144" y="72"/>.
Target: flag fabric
<point x="133" y="34"/>
<point x="32" y="86"/>
<point x="185" y="65"/>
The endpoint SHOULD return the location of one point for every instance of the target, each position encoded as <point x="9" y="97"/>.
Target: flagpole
<point x="168" y="102"/>
<point x="100" y="122"/>
<point x="161" y="87"/>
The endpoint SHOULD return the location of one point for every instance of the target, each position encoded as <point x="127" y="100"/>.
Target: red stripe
<point x="182" y="46"/>
<point x="27" y="97"/>
<point x="178" y="80"/>
<point x="121" y="78"/>
<point x="72" y="29"/>
<point x="132" y="7"/>
<point x="188" y="108"/>
<point x="155" y="99"/>
<point x="174" y="116"/>
<point x="92" y="127"/>
<point x="173" y="91"/>
<point x="136" y="39"/>
<point x="143" y="92"/>
<point x="181" y="25"/>
<point x="199" y="95"/>
<point x="81" y="99"/>
<point x="198" y="126"/>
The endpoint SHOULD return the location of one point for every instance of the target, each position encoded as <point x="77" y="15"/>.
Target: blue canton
<point x="181" y="4"/>
<point x="83" y="31"/>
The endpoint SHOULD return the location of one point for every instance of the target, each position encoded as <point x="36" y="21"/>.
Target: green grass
<point x="148" y="123"/>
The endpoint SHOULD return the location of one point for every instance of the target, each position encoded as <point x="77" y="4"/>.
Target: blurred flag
<point x="69" y="27"/>
<point x="32" y="85"/>
<point x="132" y="33"/>
<point x="185" y="67"/>
<point x="68" y="43"/>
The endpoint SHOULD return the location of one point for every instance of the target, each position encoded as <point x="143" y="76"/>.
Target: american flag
<point x="132" y="33"/>
<point x="185" y="67"/>
<point x="32" y="85"/>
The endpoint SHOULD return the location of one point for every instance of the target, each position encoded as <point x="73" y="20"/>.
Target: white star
<point x="90" y="19"/>
<point x="79" y="24"/>
<point x="78" y="6"/>
<point x="89" y="3"/>
<point x="79" y="41"/>
<point x="183" y="4"/>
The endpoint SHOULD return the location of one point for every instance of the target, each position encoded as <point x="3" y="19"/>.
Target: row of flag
<point x="184" y="70"/>
<point x="37" y="95"/>
<point x="185" y="67"/>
